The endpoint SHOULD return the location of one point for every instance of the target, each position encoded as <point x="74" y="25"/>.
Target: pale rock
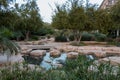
<point x="27" y="51"/>
<point x="111" y="60"/>
<point x="38" y="53"/>
<point x="72" y="55"/>
<point x="55" y="53"/>
<point x="100" y="54"/>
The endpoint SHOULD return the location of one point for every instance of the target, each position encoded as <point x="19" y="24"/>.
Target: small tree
<point x="115" y="13"/>
<point x="103" y="21"/>
<point x="29" y="18"/>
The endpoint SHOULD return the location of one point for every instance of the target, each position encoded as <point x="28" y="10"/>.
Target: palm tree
<point x="7" y="46"/>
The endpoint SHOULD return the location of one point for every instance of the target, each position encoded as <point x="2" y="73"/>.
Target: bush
<point x="71" y="38"/>
<point x="100" y="37"/>
<point x="60" y="38"/>
<point x="5" y="32"/>
<point x="44" y="31"/>
<point x="75" y="69"/>
<point x="109" y="39"/>
<point x="34" y="37"/>
<point x="117" y="39"/>
<point x="87" y="36"/>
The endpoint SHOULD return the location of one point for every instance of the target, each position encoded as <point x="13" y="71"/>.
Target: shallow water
<point x="50" y="62"/>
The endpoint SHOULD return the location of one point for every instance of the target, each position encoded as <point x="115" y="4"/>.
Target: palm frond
<point x="6" y="44"/>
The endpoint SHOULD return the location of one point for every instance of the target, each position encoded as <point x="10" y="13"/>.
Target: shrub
<point x="44" y="31"/>
<point x="60" y="38"/>
<point x="109" y="39"/>
<point x="74" y="69"/>
<point x="34" y="37"/>
<point x="71" y="38"/>
<point x="87" y="36"/>
<point x="5" y="32"/>
<point x="100" y="36"/>
<point x="117" y="39"/>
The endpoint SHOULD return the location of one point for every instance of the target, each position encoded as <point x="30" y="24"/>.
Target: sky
<point x="47" y="6"/>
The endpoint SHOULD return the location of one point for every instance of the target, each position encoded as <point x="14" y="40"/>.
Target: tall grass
<point x="76" y="69"/>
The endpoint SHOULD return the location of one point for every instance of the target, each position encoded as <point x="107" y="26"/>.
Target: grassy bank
<point x="77" y="69"/>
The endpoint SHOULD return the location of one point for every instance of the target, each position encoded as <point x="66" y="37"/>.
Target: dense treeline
<point x="73" y="17"/>
<point x="77" y="17"/>
<point x="22" y="21"/>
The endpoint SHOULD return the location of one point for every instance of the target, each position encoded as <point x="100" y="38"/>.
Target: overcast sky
<point x="46" y="11"/>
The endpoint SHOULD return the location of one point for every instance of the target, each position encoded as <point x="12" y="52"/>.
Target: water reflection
<point x="50" y="62"/>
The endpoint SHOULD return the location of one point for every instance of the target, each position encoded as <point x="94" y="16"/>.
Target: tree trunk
<point x="27" y="36"/>
<point x="80" y="36"/>
<point x="117" y="33"/>
<point x="77" y="36"/>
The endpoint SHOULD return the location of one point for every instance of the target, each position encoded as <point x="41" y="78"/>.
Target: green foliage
<point x="60" y="19"/>
<point x="115" y="42"/>
<point x="18" y="74"/>
<point x="5" y="32"/>
<point x="74" y="16"/>
<point x="87" y="36"/>
<point x="44" y="31"/>
<point x="74" y="69"/>
<point x="115" y="12"/>
<point x="71" y="38"/>
<point x="100" y="37"/>
<point x="28" y="19"/>
<point x="34" y="37"/>
<point x="91" y="37"/>
<point x="77" y="44"/>
<point x="6" y="44"/>
<point x="60" y="38"/>
<point x="103" y="21"/>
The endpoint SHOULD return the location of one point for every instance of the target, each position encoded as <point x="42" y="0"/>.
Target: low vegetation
<point x="76" y="69"/>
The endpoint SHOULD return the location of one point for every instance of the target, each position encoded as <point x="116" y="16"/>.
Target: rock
<point x="48" y="61"/>
<point x="25" y="52"/>
<point x="55" y="53"/>
<point x="112" y="60"/>
<point x="58" y="65"/>
<point x="112" y="53"/>
<point x="11" y="60"/>
<point x="17" y="58"/>
<point x="38" y="53"/>
<point x="35" y="42"/>
<point x="72" y="55"/>
<point x="100" y="54"/>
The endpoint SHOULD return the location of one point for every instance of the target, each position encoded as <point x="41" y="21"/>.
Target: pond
<point x="49" y="62"/>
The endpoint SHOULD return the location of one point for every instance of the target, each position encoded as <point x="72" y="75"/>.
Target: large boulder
<point x="11" y="59"/>
<point x="16" y="58"/>
<point x="38" y="53"/>
<point x="55" y="53"/>
<point x="72" y="55"/>
<point x="112" y="60"/>
<point x="26" y="51"/>
<point x="112" y="53"/>
<point x="100" y="54"/>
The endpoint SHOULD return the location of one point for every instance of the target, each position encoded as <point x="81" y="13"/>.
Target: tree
<point x="115" y="13"/>
<point x="60" y="19"/>
<point x="77" y="21"/>
<point x="5" y="22"/>
<point x="29" y="18"/>
<point x="4" y="4"/>
<point x="103" y="21"/>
